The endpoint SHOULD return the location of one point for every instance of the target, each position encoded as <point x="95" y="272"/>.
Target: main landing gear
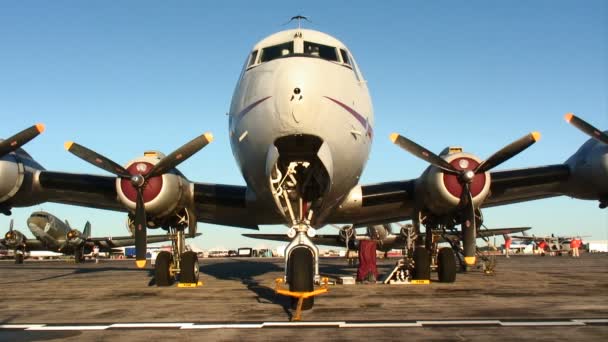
<point x="427" y="255"/>
<point x="179" y="264"/>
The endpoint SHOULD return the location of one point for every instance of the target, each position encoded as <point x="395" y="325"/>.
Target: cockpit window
<point x="252" y="58"/>
<point x="344" y="55"/>
<point x="276" y="51"/>
<point x="320" y="50"/>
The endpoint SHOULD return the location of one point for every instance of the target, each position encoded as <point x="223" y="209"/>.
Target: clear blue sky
<point x="122" y="77"/>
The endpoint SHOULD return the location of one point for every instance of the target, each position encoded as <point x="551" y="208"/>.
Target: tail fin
<point x="87" y="230"/>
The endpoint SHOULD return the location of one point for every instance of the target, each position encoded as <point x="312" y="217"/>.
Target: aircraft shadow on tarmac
<point x="74" y="272"/>
<point x="246" y="271"/>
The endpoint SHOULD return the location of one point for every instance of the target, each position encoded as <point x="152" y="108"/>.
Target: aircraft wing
<point x="325" y="240"/>
<point x="395" y="201"/>
<point x="108" y="243"/>
<point x="213" y="203"/>
<point x="397" y="242"/>
<point x="34" y="245"/>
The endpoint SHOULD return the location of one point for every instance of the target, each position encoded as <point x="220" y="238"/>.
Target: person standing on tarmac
<point x="574" y="246"/>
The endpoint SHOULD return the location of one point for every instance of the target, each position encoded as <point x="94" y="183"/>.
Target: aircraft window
<point x="254" y="56"/>
<point x="345" y="59"/>
<point x="276" y="51"/>
<point x="320" y="50"/>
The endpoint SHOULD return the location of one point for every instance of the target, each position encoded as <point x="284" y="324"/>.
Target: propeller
<point x="587" y="128"/>
<point x="16" y="141"/>
<point x="345" y="233"/>
<point x="9" y="234"/>
<point x="465" y="178"/>
<point x="140" y="181"/>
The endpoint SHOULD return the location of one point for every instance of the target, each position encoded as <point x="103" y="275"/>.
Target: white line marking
<point x="460" y="322"/>
<point x="224" y="326"/>
<point x="335" y="324"/>
<point x="19" y="326"/>
<point x="591" y="320"/>
<point x="380" y="325"/>
<point x="70" y="327"/>
<point x="540" y="324"/>
<point x="150" y="325"/>
<point x="304" y="324"/>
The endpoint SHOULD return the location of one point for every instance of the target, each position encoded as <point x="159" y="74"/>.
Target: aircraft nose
<point x="36" y="222"/>
<point x="296" y="90"/>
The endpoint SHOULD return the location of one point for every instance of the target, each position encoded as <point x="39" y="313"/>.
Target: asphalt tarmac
<point x="528" y="297"/>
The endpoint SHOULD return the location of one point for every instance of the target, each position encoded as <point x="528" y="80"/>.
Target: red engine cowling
<point x="163" y="194"/>
<point x="441" y="191"/>
<point x="11" y="176"/>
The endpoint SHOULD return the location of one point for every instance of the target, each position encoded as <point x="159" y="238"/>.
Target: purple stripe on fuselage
<point x="362" y="120"/>
<point x="247" y="109"/>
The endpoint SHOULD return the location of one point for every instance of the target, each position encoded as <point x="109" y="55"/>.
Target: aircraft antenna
<point x="299" y="18"/>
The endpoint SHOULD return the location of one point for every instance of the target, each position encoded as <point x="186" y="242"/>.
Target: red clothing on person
<point x="367" y="260"/>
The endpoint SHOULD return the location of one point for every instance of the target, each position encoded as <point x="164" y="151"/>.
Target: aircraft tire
<point x="300" y="274"/>
<point x="422" y="264"/>
<point x="162" y="269"/>
<point x="189" y="268"/>
<point x="18" y="258"/>
<point x="446" y="265"/>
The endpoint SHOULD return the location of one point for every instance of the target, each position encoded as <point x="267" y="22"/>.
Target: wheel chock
<point x="200" y="283"/>
<point x="300" y="295"/>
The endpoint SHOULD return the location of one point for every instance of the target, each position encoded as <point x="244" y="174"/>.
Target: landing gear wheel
<point x="18" y="258"/>
<point x="162" y="269"/>
<point x="189" y="268"/>
<point x="422" y="264"/>
<point x="446" y="265"/>
<point x="300" y="273"/>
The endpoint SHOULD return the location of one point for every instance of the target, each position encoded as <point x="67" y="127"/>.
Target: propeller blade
<point x="13" y="143"/>
<point x="508" y="152"/>
<point x="180" y="155"/>
<point x="423" y="153"/>
<point x="96" y="159"/>
<point x="140" y="230"/>
<point x="587" y="128"/>
<point x="469" y="229"/>
<point x="10" y="227"/>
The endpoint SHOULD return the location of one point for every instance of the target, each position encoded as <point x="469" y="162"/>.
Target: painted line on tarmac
<point x="312" y="324"/>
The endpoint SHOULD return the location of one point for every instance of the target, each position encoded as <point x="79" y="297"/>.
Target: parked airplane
<point x="301" y="126"/>
<point x="54" y="235"/>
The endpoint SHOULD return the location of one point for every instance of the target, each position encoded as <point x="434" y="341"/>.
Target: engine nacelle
<point x="11" y="176"/>
<point x="74" y="238"/>
<point x="441" y="191"/>
<point x="589" y="172"/>
<point x="162" y="195"/>
<point x="14" y="239"/>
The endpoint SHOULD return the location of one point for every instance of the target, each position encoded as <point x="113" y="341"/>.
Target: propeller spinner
<point x="140" y="181"/>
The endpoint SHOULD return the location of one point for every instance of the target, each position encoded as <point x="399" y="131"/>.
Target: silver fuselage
<point x="301" y="95"/>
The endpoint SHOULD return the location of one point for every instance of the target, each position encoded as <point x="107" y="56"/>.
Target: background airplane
<point x="51" y="234"/>
<point x="552" y="244"/>
<point x="301" y="143"/>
